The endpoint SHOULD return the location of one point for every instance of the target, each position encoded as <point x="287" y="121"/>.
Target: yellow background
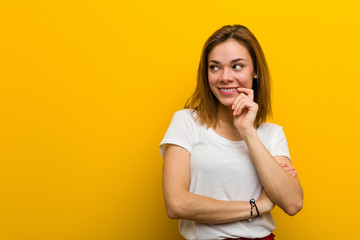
<point x="88" y="88"/>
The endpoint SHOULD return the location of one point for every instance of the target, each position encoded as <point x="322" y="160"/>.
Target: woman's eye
<point x="214" y="68"/>
<point x="237" y="66"/>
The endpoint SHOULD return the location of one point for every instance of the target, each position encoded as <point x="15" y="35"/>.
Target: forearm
<point x="283" y="189"/>
<point x="182" y="204"/>
<point x="208" y="210"/>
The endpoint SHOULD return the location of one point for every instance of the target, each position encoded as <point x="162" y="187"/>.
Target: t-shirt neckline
<point x="225" y="140"/>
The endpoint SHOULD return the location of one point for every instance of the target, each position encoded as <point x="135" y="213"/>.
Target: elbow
<point x="171" y="213"/>
<point x="294" y="207"/>
<point x="174" y="209"/>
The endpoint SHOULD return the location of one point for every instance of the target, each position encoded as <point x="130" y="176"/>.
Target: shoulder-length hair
<point x="203" y="100"/>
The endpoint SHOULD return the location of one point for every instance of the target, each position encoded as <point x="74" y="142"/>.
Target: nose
<point x="227" y="75"/>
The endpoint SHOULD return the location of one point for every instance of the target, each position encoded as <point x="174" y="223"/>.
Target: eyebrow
<point x="232" y="61"/>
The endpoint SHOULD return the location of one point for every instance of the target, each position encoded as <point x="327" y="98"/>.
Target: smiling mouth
<point x="227" y="90"/>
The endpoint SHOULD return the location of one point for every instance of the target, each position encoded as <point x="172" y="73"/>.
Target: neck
<point x="225" y="126"/>
<point x="225" y="115"/>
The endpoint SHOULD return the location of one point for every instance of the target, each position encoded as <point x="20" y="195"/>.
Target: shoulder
<point x="185" y="120"/>
<point x="188" y="115"/>
<point x="274" y="139"/>
<point x="266" y="127"/>
<point x="270" y="129"/>
<point x="185" y="113"/>
<point x="183" y="131"/>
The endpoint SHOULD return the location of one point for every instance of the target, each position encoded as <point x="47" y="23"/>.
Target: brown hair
<point x="203" y="100"/>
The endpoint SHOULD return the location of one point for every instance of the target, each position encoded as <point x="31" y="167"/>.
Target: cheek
<point x="211" y="80"/>
<point x="245" y="81"/>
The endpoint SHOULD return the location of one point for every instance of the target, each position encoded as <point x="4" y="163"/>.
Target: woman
<point x="224" y="167"/>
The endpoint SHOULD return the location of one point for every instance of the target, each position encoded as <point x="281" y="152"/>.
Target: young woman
<point x="225" y="167"/>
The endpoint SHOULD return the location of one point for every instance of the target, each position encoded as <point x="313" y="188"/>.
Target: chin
<point x="227" y="104"/>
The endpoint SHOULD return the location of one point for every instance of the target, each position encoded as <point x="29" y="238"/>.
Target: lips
<point x="227" y="91"/>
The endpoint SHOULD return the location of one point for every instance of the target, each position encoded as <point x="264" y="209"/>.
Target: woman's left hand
<point x="290" y="169"/>
<point x="245" y="110"/>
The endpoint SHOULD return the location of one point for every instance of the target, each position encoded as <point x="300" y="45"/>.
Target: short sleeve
<point x="181" y="132"/>
<point x="279" y="145"/>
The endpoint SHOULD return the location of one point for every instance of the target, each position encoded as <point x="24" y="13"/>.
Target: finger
<point x="236" y="101"/>
<point x="250" y="105"/>
<point x="238" y="109"/>
<point x="292" y="172"/>
<point x="289" y="169"/>
<point x="248" y="91"/>
<point x="241" y="108"/>
<point x="242" y="104"/>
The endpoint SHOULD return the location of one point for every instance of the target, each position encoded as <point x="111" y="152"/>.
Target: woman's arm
<point x="283" y="188"/>
<point x="181" y="204"/>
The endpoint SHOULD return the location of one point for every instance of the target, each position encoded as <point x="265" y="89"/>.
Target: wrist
<point x="254" y="207"/>
<point x="264" y="206"/>
<point x="248" y="133"/>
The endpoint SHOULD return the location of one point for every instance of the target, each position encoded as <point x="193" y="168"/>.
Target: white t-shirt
<point x="222" y="169"/>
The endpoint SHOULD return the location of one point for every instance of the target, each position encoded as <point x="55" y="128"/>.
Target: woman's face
<point x="229" y="67"/>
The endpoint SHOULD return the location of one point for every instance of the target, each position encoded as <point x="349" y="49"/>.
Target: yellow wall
<point x="87" y="90"/>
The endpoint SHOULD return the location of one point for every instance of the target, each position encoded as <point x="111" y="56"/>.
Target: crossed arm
<point x="282" y="187"/>
<point x="181" y="204"/>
